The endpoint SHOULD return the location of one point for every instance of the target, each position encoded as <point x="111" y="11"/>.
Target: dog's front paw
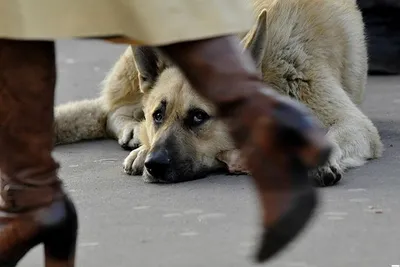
<point x="134" y="162"/>
<point x="234" y="162"/>
<point x="129" y="137"/>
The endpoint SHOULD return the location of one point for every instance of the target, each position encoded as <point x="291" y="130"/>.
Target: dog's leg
<point x="134" y="162"/>
<point x="354" y="137"/>
<point x="124" y="125"/>
<point x="235" y="163"/>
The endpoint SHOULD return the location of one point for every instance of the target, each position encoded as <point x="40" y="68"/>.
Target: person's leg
<point x="34" y="208"/>
<point x="279" y="139"/>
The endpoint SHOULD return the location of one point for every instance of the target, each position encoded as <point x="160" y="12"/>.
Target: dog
<point x="312" y="50"/>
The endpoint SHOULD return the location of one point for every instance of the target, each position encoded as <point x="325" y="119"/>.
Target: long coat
<point x="151" y="22"/>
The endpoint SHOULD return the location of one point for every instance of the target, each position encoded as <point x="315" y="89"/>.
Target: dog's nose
<point x="157" y="163"/>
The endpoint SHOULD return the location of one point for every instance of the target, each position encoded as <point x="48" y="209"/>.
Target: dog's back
<point x="304" y="36"/>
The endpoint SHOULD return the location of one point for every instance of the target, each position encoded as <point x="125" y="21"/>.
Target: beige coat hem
<point x="152" y="22"/>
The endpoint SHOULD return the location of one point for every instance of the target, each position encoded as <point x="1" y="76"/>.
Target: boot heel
<point x="60" y="239"/>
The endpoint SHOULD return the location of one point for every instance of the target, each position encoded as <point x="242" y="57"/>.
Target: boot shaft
<point x="27" y="83"/>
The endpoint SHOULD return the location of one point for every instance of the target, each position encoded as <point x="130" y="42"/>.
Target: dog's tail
<point x="80" y="120"/>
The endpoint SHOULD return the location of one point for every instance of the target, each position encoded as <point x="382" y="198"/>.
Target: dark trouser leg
<point x="34" y="208"/>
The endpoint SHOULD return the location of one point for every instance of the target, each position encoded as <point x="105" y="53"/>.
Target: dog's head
<point x="180" y="128"/>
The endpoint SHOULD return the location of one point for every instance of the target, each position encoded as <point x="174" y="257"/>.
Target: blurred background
<point x="382" y="18"/>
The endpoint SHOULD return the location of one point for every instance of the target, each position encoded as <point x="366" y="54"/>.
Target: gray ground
<point x="213" y="222"/>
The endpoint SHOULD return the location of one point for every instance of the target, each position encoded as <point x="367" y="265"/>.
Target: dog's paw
<point x="134" y="162"/>
<point x="233" y="161"/>
<point x="326" y="175"/>
<point x="129" y="137"/>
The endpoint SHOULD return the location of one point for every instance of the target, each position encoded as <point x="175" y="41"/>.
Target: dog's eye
<point x="158" y="117"/>
<point x="198" y="117"/>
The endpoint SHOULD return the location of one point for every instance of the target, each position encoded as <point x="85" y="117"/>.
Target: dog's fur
<point x="311" y="50"/>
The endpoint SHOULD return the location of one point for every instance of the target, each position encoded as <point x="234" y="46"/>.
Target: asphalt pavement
<point x="214" y="221"/>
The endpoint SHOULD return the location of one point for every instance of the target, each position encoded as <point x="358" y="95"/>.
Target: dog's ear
<point x="256" y="43"/>
<point x="147" y="63"/>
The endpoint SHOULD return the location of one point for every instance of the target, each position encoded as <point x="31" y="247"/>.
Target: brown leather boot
<point x="33" y="206"/>
<point x="279" y="139"/>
